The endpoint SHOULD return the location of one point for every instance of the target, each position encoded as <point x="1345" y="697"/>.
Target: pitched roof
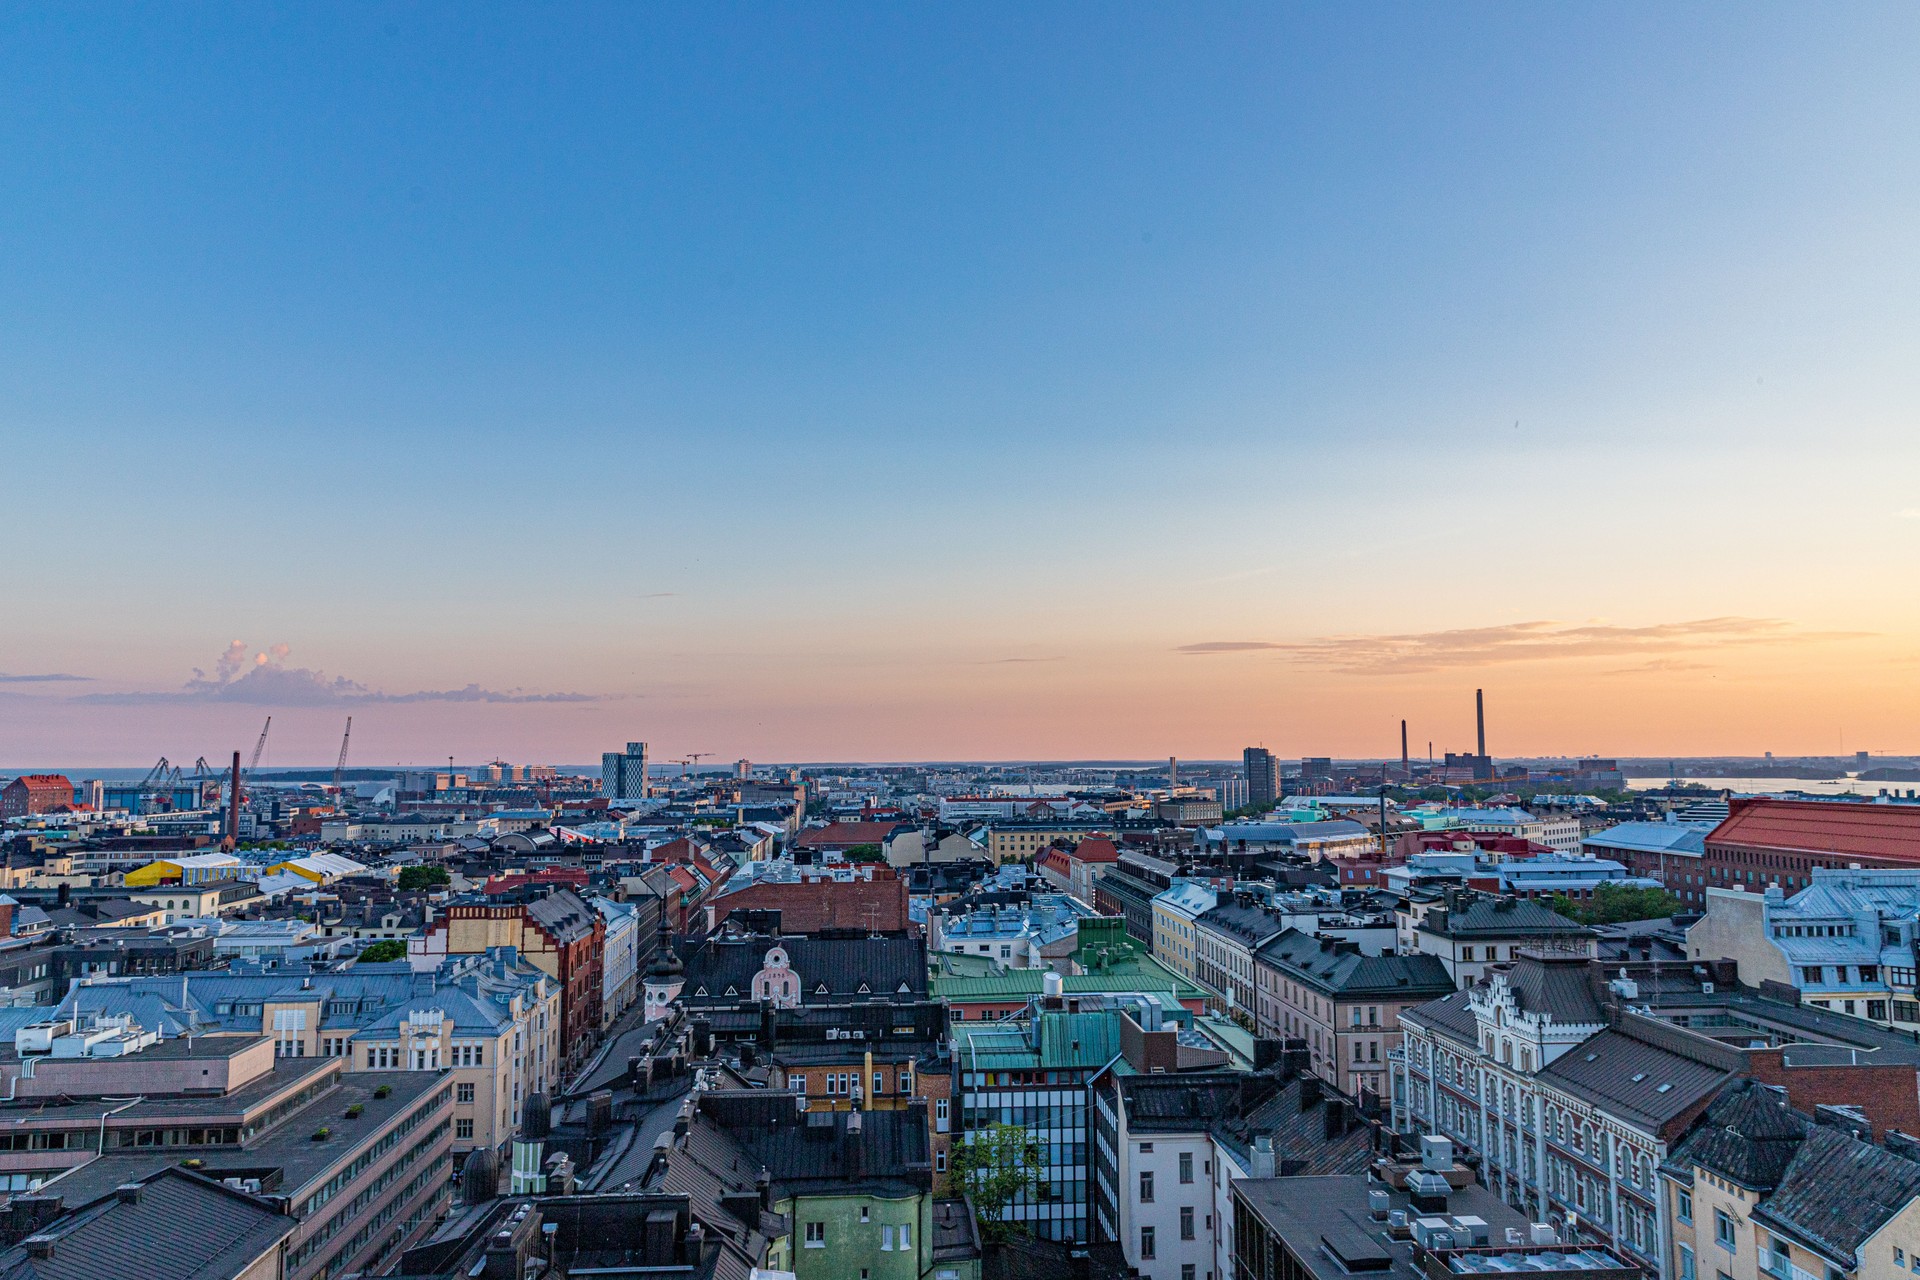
<point x="1838" y="1191"/>
<point x="1299" y="1133"/>
<point x="1636" y="1079"/>
<point x="1749" y="1135"/>
<point x="1559" y="985"/>
<point x="844" y="835"/>
<point x="1342" y="969"/>
<point x="177" y="1226"/>
<point x="888" y="968"/>
<point x="1488" y="916"/>
<point x="822" y="1152"/>
<point x="1835" y="828"/>
<point x="1450" y="1014"/>
<point x="1249" y="926"/>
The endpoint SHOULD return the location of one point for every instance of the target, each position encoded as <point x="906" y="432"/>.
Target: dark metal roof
<point x="1838" y="1191"/>
<point x="177" y="1225"/>
<point x="1451" y="1015"/>
<point x="1341" y="970"/>
<point x="1748" y="1135"/>
<point x="1249" y="926"/>
<point x="1635" y="1079"/>
<point x="1484" y="916"/>
<point x="842" y="965"/>
<point x="822" y="1152"/>
<point x="1560" y="985"/>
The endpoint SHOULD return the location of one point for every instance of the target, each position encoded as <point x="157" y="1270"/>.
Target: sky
<point x="813" y="381"/>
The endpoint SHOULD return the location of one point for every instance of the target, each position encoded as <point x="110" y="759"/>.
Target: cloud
<point x="50" y="678"/>
<point x="1001" y="662"/>
<point x="1543" y="641"/>
<point x="1228" y="646"/>
<point x="1661" y="665"/>
<point x="264" y="680"/>
<point x="657" y="595"/>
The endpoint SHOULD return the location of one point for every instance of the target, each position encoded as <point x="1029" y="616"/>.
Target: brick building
<point x="1766" y="841"/>
<point x="35" y="793"/>
<point x="559" y="933"/>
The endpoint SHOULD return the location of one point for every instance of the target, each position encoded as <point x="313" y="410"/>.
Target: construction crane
<point x="259" y="746"/>
<point x="163" y="774"/>
<point x="156" y="791"/>
<point x="694" y="758"/>
<point x="340" y="765"/>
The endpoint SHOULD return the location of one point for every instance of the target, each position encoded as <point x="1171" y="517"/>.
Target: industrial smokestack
<point x="1406" y="764"/>
<point x="1480" y="718"/>
<point x="1173" y="771"/>
<point x="233" y="805"/>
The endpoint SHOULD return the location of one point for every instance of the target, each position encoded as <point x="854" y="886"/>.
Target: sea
<point x="1847" y="786"/>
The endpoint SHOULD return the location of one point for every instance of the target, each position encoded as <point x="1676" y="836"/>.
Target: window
<point x="1146" y="1186"/>
<point x="1686" y="1263"/>
<point x="1683" y="1205"/>
<point x="939" y="1162"/>
<point x="463" y="1128"/>
<point x="940" y="1115"/>
<point x="906" y="1236"/>
<point x="1186" y="1222"/>
<point x="1146" y="1242"/>
<point x="1723" y="1231"/>
<point x="1186" y="1166"/>
<point x="1186" y="1271"/>
<point x="816" y="1235"/>
<point x="863" y="1213"/>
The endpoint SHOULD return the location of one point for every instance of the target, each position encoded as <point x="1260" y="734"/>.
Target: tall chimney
<point x="233" y="805"/>
<point x="1406" y="764"/>
<point x="1173" y="772"/>
<point x="1480" y="717"/>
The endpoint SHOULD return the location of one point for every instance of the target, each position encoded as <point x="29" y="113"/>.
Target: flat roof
<point x="1326" y="1222"/>
<point x="289" y="1146"/>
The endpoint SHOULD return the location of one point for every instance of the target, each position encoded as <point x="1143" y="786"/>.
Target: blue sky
<point x="697" y="357"/>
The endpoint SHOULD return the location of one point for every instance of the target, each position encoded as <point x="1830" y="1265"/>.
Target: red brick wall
<point x="1888" y="1095"/>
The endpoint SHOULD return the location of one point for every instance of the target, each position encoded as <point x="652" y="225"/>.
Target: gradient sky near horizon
<point x="855" y="382"/>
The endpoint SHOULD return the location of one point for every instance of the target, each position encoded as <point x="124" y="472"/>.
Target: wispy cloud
<point x="264" y="680"/>
<point x="52" y="677"/>
<point x="1001" y="662"/>
<point x="1512" y="642"/>
<point x="1229" y="646"/>
<point x="1661" y="665"/>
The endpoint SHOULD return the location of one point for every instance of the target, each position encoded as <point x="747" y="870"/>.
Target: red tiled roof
<point x="844" y="835"/>
<point x="44" y="781"/>
<point x="1096" y="849"/>
<point x="1840" y="829"/>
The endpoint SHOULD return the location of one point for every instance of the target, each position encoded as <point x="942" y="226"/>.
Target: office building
<point x="1263" y="776"/>
<point x="623" y="774"/>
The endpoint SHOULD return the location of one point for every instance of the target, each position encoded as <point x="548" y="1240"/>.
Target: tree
<point x="865" y="853"/>
<point x="997" y="1166"/>
<point x="1617" y="904"/>
<point x="383" y="950"/>
<point x="423" y="877"/>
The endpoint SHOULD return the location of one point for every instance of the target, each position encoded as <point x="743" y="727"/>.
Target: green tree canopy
<point x="1617" y="904"/>
<point x="423" y="877"/>
<point x="385" y="949"/>
<point x="996" y="1166"/>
